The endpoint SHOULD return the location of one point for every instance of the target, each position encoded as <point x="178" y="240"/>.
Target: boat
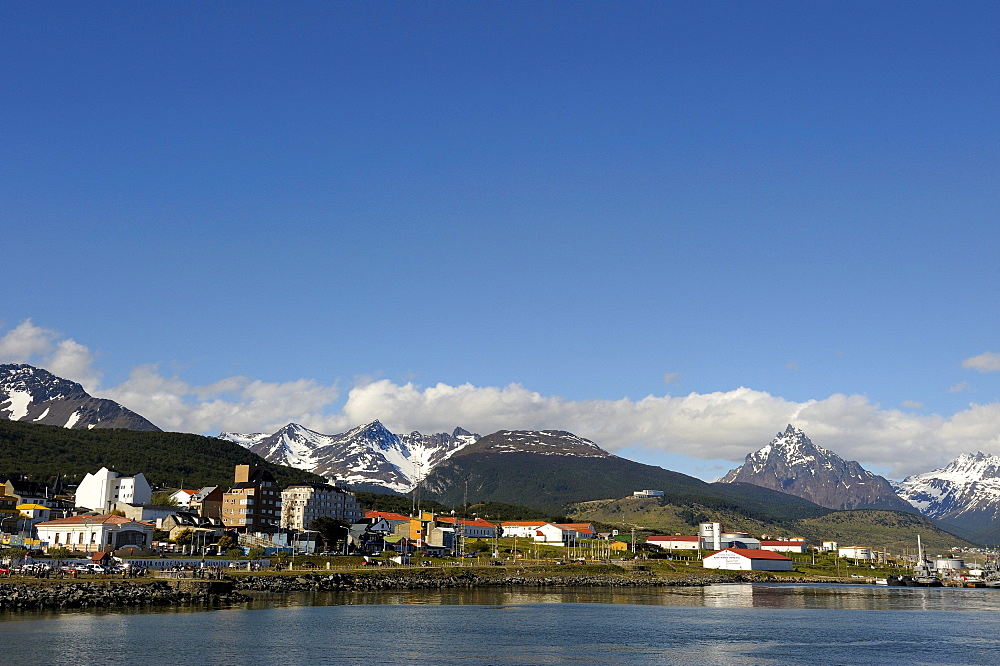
<point x="922" y="574"/>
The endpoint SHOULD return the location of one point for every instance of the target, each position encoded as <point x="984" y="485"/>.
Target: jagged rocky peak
<point x="35" y="395"/>
<point x="368" y="455"/>
<point x="792" y="464"/>
<point x="793" y="447"/>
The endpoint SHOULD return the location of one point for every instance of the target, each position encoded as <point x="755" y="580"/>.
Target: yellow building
<point x="8" y="512"/>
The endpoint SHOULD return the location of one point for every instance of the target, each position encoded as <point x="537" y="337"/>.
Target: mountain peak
<point x="366" y="456"/>
<point x="965" y="492"/>
<point x="543" y="442"/>
<point x="792" y="464"/>
<point x="35" y="395"/>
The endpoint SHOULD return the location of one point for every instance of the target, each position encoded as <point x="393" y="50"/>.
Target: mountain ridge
<point x="35" y="395"/>
<point x="368" y="456"/>
<point x="792" y="464"/>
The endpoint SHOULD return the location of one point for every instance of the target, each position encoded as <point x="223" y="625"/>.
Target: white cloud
<point x="708" y="426"/>
<point x="960" y="387"/>
<point x="671" y="378"/>
<point x="724" y="425"/>
<point x="913" y="404"/>
<point x="985" y="362"/>
<point x="24" y="342"/>
<point x="234" y="404"/>
<point x="66" y="358"/>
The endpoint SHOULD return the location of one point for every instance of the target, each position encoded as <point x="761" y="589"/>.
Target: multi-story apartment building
<point x="303" y="503"/>
<point x="253" y="503"/>
<point x="99" y="491"/>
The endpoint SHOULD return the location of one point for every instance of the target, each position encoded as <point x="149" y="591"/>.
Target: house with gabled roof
<point x="91" y="533"/>
<point x="578" y="531"/>
<point x="748" y="559"/>
<point x="183" y="497"/>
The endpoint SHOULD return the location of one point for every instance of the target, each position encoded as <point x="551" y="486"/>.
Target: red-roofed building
<point x="522" y="528"/>
<point x="473" y="529"/>
<point x="183" y="497"/>
<point x="95" y="533"/>
<point x="391" y="516"/>
<point x="577" y="531"/>
<point x="748" y="559"/>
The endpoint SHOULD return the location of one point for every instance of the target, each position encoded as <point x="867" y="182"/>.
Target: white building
<point x="303" y="503"/>
<point x="101" y="490"/>
<point x="471" y="529"/>
<point x="541" y="532"/>
<point x="677" y="542"/>
<point x="647" y="493"/>
<point x="522" y="529"/>
<point x="748" y="559"/>
<point x="855" y="553"/>
<point x="183" y="497"/>
<point x="91" y="534"/>
<point x="792" y="546"/>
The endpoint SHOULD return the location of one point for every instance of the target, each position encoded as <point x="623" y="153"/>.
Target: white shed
<point x="748" y="559"/>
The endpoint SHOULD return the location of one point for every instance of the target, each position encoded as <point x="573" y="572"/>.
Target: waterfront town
<point x="110" y="523"/>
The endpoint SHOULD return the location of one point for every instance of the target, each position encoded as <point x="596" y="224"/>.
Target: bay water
<point x="716" y="624"/>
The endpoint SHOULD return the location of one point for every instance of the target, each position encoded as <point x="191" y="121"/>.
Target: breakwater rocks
<point x="114" y="594"/>
<point x="417" y="580"/>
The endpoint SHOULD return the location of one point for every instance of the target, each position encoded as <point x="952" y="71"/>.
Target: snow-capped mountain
<point x="792" y="464"/>
<point x="368" y="455"/>
<point x="966" y="491"/>
<point x="543" y="442"/>
<point x="34" y="395"/>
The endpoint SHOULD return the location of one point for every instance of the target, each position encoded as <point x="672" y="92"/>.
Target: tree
<point x="332" y="530"/>
<point x="256" y="553"/>
<point x="163" y="498"/>
<point x="184" y="537"/>
<point x="226" y="543"/>
<point x="13" y="556"/>
<point x="59" y="554"/>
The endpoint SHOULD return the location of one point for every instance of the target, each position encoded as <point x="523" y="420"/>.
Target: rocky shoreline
<point x="112" y="594"/>
<point x="125" y="594"/>
<point x="413" y="580"/>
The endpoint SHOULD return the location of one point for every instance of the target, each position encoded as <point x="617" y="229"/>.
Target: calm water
<point x="719" y="624"/>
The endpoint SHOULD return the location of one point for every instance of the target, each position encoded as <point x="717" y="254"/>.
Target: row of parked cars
<point x="44" y="568"/>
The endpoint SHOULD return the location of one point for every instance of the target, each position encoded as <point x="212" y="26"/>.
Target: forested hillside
<point x="167" y="459"/>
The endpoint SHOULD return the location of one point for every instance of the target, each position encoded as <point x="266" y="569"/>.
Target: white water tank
<point x="710" y="535"/>
<point x="946" y="563"/>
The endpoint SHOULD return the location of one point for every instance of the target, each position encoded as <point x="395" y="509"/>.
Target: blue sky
<point x="605" y="218"/>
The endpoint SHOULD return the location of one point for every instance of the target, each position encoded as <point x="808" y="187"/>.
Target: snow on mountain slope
<point x="967" y="487"/>
<point x="368" y="454"/>
<point x="542" y="442"/>
<point x="35" y="395"/>
<point x="792" y="464"/>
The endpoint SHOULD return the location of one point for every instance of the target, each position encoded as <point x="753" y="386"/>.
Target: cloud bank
<point x="724" y="424"/>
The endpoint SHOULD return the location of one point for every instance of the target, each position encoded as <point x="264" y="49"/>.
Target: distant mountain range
<point x="548" y="469"/>
<point x="964" y="494"/>
<point x="792" y="464"/>
<point x="33" y="395"/>
<point x="368" y="457"/>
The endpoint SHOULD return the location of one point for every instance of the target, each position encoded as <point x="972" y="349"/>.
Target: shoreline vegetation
<point x="240" y="587"/>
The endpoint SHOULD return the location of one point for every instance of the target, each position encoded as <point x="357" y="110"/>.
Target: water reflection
<point x="716" y="624"/>
<point x="741" y="595"/>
